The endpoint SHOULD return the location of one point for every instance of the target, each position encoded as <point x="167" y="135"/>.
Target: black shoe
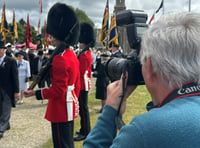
<point x="8" y="128"/>
<point x="79" y="137"/>
<point x="1" y="135"/>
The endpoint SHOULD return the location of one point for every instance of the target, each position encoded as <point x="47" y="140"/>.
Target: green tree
<point x="83" y="17"/>
<point x="21" y="27"/>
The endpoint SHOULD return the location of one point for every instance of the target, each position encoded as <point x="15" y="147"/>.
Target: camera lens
<point x="114" y="68"/>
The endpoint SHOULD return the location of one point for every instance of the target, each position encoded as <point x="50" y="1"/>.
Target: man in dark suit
<point x="31" y="57"/>
<point x="116" y="51"/>
<point x="9" y="88"/>
<point x="9" y="51"/>
<point x="39" y="61"/>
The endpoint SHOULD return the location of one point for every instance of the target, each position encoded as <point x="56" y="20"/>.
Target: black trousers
<point x="41" y="84"/>
<point x="84" y="113"/>
<point x="5" y="113"/>
<point x="62" y="134"/>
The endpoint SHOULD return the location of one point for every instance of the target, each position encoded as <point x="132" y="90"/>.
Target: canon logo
<point x="188" y="90"/>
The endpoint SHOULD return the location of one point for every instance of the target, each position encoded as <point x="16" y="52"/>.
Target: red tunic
<point x="63" y="94"/>
<point x="85" y="60"/>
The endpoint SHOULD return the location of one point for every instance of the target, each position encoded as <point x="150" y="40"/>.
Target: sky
<point x="93" y="8"/>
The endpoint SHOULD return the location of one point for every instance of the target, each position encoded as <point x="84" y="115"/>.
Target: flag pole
<point x="163" y="7"/>
<point x="189" y="5"/>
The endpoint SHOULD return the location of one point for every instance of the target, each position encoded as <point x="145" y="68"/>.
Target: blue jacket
<point x="174" y="125"/>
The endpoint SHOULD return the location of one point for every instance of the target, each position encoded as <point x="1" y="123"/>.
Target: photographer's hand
<point x="114" y="93"/>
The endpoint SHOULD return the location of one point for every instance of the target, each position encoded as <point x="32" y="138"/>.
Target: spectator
<point x="31" y="57"/>
<point x="23" y="74"/>
<point x="102" y="81"/>
<point x="39" y="61"/>
<point x="39" y="43"/>
<point x="9" y="51"/>
<point x="9" y="88"/>
<point x="116" y="52"/>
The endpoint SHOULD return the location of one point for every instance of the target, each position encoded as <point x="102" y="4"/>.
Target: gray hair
<point x="173" y="45"/>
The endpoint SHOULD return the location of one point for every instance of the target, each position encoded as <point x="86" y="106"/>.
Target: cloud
<point x="93" y="8"/>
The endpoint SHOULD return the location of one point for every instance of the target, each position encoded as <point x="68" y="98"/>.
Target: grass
<point x="135" y="105"/>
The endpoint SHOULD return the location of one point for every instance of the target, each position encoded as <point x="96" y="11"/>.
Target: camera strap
<point x="188" y="89"/>
<point x="118" y="119"/>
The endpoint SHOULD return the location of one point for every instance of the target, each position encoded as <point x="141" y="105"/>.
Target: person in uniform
<point x="86" y="40"/>
<point x="9" y="88"/>
<point x="63" y="105"/>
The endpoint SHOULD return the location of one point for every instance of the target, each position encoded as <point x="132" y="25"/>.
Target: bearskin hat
<point x="63" y="23"/>
<point x="87" y="34"/>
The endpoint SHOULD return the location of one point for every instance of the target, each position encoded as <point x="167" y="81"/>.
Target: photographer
<point x="169" y="56"/>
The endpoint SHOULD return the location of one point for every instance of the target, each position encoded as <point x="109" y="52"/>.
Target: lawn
<point x="135" y="105"/>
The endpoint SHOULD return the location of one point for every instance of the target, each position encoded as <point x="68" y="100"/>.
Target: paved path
<point x="29" y="129"/>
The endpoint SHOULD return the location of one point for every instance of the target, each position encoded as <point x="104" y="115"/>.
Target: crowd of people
<point x="170" y="68"/>
<point x="17" y="69"/>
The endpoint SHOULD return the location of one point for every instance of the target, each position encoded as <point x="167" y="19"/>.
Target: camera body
<point x="135" y="23"/>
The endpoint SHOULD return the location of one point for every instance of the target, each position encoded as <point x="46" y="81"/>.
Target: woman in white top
<point x="23" y="73"/>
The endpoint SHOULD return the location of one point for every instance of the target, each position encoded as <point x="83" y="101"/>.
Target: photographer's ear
<point x="147" y="71"/>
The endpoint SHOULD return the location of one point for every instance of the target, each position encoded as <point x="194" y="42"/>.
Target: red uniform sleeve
<point x="83" y="64"/>
<point x="77" y="85"/>
<point x="82" y="67"/>
<point x="59" y="79"/>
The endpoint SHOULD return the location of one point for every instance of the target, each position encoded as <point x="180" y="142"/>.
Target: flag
<point x="46" y="36"/>
<point x="40" y="2"/>
<point x="13" y="29"/>
<point x="4" y="24"/>
<point x="28" y="33"/>
<point x="103" y="36"/>
<point x="39" y="32"/>
<point x="113" y="34"/>
<point x="153" y="16"/>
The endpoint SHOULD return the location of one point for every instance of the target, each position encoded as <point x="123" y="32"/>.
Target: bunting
<point x="153" y="16"/>
<point x="13" y="29"/>
<point x="28" y="33"/>
<point x="113" y="34"/>
<point x="4" y="24"/>
<point x="103" y="36"/>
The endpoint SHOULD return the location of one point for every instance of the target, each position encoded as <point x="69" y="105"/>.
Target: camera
<point x="135" y="23"/>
